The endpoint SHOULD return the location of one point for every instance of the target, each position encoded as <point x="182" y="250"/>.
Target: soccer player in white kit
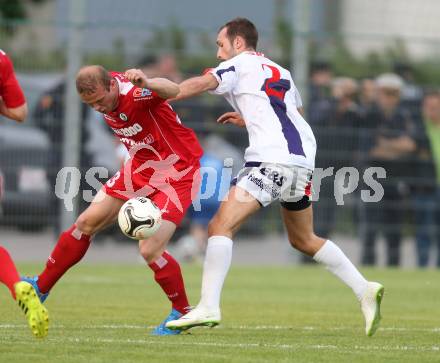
<point x="279" y="163"/>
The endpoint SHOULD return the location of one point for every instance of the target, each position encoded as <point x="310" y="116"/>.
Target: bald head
<point x="97" y="88"/>
<point x="89" y="78"/>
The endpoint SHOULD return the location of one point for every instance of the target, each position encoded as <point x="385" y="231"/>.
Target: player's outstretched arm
<point x="165" y="88"/>
<point x="196" y="86"/>
<point x="17" y="113"/>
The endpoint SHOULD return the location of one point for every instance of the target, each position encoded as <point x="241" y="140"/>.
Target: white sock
<point x="215" y="268"/>
<point x="335" y="260"/>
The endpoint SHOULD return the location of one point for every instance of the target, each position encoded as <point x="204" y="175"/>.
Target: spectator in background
<point x="338" y="138"/>
<point x="164" y="67"/>
<point x="411" y="93"/>
<point x="49" y="116"/>
<point x="427" y="192"/>
<point x="367" y="94"/>
<point x="147" y="64"/>
<point x="321" y="76"/>
<point x="392" y="143"/>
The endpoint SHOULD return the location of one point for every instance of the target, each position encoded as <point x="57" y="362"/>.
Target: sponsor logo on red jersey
<point x="141" y="93"/>
<point x="128" y="131"/>
<point x="149" y="139"/>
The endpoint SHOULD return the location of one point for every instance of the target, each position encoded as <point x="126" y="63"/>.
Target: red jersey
<point x="145" y="120"/>
<point x="10" y="90"/>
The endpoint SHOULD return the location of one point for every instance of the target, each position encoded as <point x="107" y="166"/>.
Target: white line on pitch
<point x="237" y="327"/>
<point x="245" y="345"/>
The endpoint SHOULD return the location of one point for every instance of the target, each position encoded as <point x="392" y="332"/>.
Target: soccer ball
<point x="139" y="218"/>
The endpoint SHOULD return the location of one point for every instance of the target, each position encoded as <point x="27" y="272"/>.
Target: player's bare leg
<point x="152" y="248"/>
<point x="74" y="243"/>
<point x="101" y="213"/>
<point x="167" y="273"/>
<point x="299" y="225"/>
<point x="228" y="219"/>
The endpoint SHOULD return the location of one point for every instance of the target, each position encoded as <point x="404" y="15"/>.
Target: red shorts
<point x="171" y="190"/>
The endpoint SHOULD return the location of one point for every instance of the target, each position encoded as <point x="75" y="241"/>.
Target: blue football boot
<point x="33" y="282"/>
<point x="162" y="330"/>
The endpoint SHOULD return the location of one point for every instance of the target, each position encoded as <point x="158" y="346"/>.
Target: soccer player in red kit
<point x="164" y="165"/>
<point x="12" y="102"/>
<point x="13" y="105"/>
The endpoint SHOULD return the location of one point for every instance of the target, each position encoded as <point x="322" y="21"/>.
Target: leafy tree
<point x="13" y="10"/>
<point x="283" y="32"/>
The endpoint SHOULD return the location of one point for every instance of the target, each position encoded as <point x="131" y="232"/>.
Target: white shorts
<point x="268" y="182"/>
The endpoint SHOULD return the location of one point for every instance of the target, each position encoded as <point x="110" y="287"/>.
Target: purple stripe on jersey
<point x="221" y="71"/>
<point x="252" y="164"/>
<point x="276" y="91"/>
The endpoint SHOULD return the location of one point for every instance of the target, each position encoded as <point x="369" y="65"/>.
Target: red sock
<point x="70" y="249"/>
<point x="168" y="275"/>
<point x="8" y="272"/>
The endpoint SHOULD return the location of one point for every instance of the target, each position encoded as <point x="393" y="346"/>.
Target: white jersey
<point x="264" y="94"/>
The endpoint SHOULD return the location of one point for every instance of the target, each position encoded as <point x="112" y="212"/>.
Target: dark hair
<point x="244" y="28"/>
<point x="146" y="60"/>
<point x="320" y="66"/>
<point x="90" y="77"/>
<point x="431" y="92"/>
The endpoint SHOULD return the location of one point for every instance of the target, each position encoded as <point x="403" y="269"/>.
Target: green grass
<point x="299" y="314"/>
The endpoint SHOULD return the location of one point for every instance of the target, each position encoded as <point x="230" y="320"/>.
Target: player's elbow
<point x="20" y="114"/>
<point x="209" y="82"/>
<point x="174" y="91"/>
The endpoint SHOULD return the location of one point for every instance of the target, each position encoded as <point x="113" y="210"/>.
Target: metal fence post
<point x="72" y="120"/>
<point x="300" y="56"/>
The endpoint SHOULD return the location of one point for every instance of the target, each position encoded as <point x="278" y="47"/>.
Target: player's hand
<point x="3" y="108"/>
<point x="137" y="77"/>
<point x="231" y="118"/>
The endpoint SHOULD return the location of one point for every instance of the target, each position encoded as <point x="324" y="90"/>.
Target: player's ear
<point x="113" y="84"/>
<point x="239" y="42"/>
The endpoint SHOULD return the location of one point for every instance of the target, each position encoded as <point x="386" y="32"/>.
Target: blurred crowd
<point x="386" y="121"/>
<point x="389" y="122"/>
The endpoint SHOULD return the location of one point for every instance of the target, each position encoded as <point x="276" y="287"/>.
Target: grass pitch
<point x="102" y="313"/>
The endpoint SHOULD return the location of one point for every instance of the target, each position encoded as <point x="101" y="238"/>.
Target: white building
<point x="375" y="24"/>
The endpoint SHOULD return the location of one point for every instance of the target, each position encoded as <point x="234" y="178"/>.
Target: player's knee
<point x="218" y="226"/>
<point x="149" y="249"/>
<point x="302" y="241"/>
<point x="86" y="224"/>
<point x="211" y="227"/>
